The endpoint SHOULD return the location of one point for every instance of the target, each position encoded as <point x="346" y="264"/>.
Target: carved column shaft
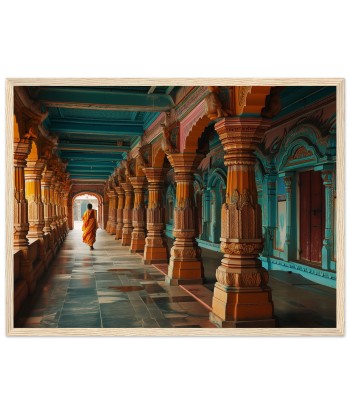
<point x="112" y="211"/>
<point x="21" y="225"/>
<point x="32" y="175"/>
<point x="65" y="210"/>
<point x="109" y="211"/>
<point x="58" y="201"/>
<point x="138" y="215"/>
<point x="22" y="148"/>
<point x="53" y="203"/>
<point x="241" y="295"/>
<point x="327" y="249"/>
<point x="120" y="210"/>
<point x="46" y="199"/>
<point x="269" y="188"/>
<point x="127" y="213"/>
<point x="288" y="182"/>
<point x="156" y="250"/>
<point x="185" y="265"/>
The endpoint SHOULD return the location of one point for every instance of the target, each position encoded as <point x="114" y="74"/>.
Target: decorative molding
<point x="241" y="93"/>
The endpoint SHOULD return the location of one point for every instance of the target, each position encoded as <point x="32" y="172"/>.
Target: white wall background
<point x="171" y="375"/>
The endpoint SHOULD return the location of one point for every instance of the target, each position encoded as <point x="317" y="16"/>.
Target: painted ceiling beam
<point x="92" y="172"/>
<point x="93" y="128"/>
<point x="101" y="167"/>
<point x="75" y="97"/>
<point x="87" y="164"/>
<point x="93" y="148"/>
<point x="92" y="156"/>
<point x="90" y="178"/>
<point x="113" y="147"/>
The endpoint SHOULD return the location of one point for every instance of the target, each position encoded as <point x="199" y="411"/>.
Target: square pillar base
<point x="155" y="255"/>
<point x="184" y="271"/>
<point x="242" y="307"/>
<point x="126" y="239"/>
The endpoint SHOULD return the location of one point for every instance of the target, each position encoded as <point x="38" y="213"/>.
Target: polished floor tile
<point x="110" y="287"/>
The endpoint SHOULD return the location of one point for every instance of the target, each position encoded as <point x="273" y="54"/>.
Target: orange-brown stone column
<point x="57" y="199"/>
<point x="156" y="249"/>
<point x="120" y="210"/>
<point x="21" y="224"/>
<point x="242" y="297"/>
<point x="45" y="196"/>
<point x="109" y="210"/>
<point x="53" y="205"/>
<point x="138" y="235"/>
<point x="127" y="213"/>
<point x="112" y="210"/>
<point x="53" y="224"/>
<point x="32" y="174"/>
<point x="22" y="148"/>
<point x="185" y="265"/>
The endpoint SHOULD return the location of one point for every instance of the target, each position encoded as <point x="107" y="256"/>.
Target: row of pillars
<point x="41" y="190"/>
<point x="241" y="297"/>
<point x="41" y="202"/>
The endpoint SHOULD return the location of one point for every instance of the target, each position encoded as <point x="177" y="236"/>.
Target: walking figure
<point x="89" y="226"/>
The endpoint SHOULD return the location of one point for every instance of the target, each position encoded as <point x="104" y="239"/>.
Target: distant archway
<point x="78" y="209"/>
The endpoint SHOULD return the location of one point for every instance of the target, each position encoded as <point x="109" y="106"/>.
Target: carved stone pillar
<point x="105" y="215"/>
<point x="46" y="199"/>
<point x="185" y="265"/>
<point x="112" y="211"/>
<point x="65" y="211"/>
<point x="156" y="249"/>
<point x="241" y="295"/>
<point x="109" y="211"/>
<point x="57" y="209"/>
<point x="54" y="240"/>
<point x="269" y="191"/>
<point x="53" y="204"/>
<point x="120" y="210"/>
<point x="21" y="224"/>
<point x="327" y="249"/>
<point x="138" y="235"/>
<point x="22" y="148"/>
<point x="127" y="213"/>
<point x="70" y="213"/>
<point x="32" y="174"/>
<point x="288" y="182"/>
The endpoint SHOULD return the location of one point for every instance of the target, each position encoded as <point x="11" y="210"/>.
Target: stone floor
<point x="111" y="288"/>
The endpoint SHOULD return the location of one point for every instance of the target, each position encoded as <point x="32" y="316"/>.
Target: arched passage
<point x="73" y="212"/>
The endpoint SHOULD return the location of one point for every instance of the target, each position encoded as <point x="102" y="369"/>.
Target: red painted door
<point x="312" y="217"/>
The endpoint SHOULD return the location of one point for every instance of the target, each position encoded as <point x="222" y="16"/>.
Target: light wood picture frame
<point x="340" y="229"/>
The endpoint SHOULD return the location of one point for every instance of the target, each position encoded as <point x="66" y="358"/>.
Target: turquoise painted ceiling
<point x="97" y="126"/>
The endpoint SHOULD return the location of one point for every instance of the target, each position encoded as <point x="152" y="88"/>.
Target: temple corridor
<point x="112" y="288"/>
<point x="217" y="206"/>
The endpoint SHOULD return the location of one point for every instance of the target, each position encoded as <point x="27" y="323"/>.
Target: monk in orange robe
<point x="89" y="226"/>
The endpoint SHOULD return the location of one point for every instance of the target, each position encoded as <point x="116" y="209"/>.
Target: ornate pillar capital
<point x="155" y="174"/>
<point x="237" y="134"/>
<point x="288" y="181"/>
<point x="138" y="182"/>
<point x="185" y="164"/>
<point x="328" y="177"/>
